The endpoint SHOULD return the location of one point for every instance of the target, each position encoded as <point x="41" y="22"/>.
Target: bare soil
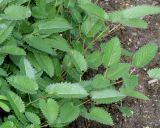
<point x="146" y="114"/>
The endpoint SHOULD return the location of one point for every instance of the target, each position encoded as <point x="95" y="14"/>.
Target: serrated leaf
<point x="139" y="11"/>
<point x="130" y="81"/>
<point x="33" y="118"/>
<point x="99" y="115"/>
<point x="27" y="69"/>
<point x="133" y="93"/>
<point x="107" y="96"/>
<point x="78" y="60"/>
<point x="24" y="84"/>
<point x="56" y="25"/>
<point x="16" y="12"/>
<point x="45" y="63"/>
<point x="117" y="17"/>
<point x="93" y="9"/>
<point x="12" y="50"/>
<point x="6" y="28"/>
<point x="68" y="113"/>
<point x="144" y="55"/>
<point x="94" y="60"/>
<point x="60" y="43"/>
<point x="111" y="52"/>
<point x="117" y="70"/>
<point x="154" y="73"/>
<point x="126" y="111"/>
<point x="4" y="106"/>
<point x="67" y="90"/>
<point x="91" y="26"/>
<point x="50" y="109"/>
<point x="99" y="82"/>
<point x="7" y="124"/>
<point x="16" y="102"/>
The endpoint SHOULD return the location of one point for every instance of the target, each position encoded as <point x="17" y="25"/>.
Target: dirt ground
<point x="146" y="114"/>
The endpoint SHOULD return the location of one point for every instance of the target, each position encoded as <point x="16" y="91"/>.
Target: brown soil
<point x="146" y="114"/>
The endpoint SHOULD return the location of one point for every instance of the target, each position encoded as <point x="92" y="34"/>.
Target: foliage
<point x="47" y="46"/>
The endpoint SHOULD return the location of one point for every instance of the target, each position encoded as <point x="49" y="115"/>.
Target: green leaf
<point x="133" y="93"/>
<point x="139" y="11"/>
<point x="91" y="26"/>
<point x="68" y="113"/>
<point x="7" y="124"/>
<point x="130" y="81"/>
<point x="50" y="109"/>
<point x="3" y="72"/>
<point x="39" y="11"/>
<point x="94" y="60"/>
<point x="45" y="63"/>
<point x="39" y="43"/>
<point x="58" y="42"/>
<point x="67" y="90"/>
<point x="27" y="69"/>
<point x="126" y="111"/>
<point x="78" y="60"/>
<point x="107" y="96"/>
<point x="24" y="84"/>
<point x="6" y="28"/>
<point x="117" y="70"/>
<point x="12" y="50"/>
<point x="99" y="115"/>
<point x="76" y="15"/>
<point x="16" y="12"/>
<point x="93" y="9"/>
<point x="111" y="52"/>
<point x="154" y="73"/>
<point x="4" y="106"/>
<point x="144" y="55"/>
<point x="117" y="17"/>
<point x="99" y="82"/>
<point x="56" y="25"/>
<point x="33" y="118"/>
<point x="17" y="104"/>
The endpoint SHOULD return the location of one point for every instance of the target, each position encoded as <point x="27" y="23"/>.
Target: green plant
<point x="46" y="48"/>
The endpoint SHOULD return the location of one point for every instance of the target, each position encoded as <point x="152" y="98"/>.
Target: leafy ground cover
<point x="47" y="49"/>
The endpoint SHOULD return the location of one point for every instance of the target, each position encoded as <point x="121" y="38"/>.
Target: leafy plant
<point x="47" y="46"/>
